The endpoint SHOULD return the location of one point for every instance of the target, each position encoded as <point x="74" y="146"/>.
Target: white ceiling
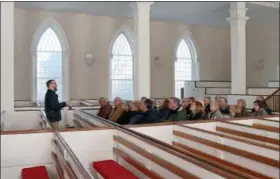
<point x="207" y="13"/>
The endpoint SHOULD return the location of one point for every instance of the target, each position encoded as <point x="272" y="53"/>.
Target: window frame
<point x="194" y="58"/>
<point x="126" y="31"/>
<point x="55" y="26"/>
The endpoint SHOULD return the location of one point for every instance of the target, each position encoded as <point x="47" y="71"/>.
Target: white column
<point x="7" y="56"/>
<point x="237" y="21"/>
<point x="141" y="13"/>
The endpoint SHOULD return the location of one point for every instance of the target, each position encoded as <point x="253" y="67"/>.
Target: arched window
<point x="121" y="69"/>
<point x="49" y="60"/>
<point x="183" y="66"/>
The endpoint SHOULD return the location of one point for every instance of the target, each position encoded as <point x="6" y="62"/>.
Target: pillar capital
<point x="136" y="5"/>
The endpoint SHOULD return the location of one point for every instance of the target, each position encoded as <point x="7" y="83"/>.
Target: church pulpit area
<point x="93" y="147"/>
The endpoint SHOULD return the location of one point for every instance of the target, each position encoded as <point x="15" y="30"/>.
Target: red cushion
<point x="39" y="172"/>
<point x="109" y="169"/>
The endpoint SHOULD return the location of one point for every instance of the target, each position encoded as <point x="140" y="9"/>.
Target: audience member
<point x="223" y="105"/>
<point x="105" y="108"/>
<point x="163" y="108"/>
<point x="263" y="105"/>
<point x="217" y="98"/>
<point x="174" y="113"/>
<point x="125" y="116"/>
<point x="149" y="115"/>
<point x="117" y="111"/>
<point x="207" y="101"/>
<point x="143" y="98"/>
<point x="197" y="111"/>
<point x="235" y="111"/>
<point x="188" y="108"/>
<point x="258" y="111"/>
<point x="215" y="112"/>
<point x="241" y="103"/>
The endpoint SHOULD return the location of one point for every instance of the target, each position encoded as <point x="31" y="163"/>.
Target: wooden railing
<point x="273" y="101"/>
<point x="63" y="151"/>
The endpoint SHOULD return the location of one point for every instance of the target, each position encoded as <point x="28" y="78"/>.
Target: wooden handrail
<point x="155" y="159"/>
<point x="248" y="135"/>
<point x="236" y="151"/>
<point x="269" y="96"/>
<point x="232" y="138"/>
<point x="266" y="127"/>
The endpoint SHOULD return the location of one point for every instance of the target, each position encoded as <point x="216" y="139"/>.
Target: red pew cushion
<point x="109" y="169"/>
<point x="35" y="173"/>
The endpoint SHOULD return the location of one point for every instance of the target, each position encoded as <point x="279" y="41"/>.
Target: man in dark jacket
<point x="149" y="115"/>
<point x="52" y="106"/>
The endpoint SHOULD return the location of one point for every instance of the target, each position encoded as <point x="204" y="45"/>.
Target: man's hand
<point x="69" y="105"/>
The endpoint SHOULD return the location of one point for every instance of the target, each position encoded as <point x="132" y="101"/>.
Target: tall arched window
<point x="121" y="69"/>
<point x="49" y="59"/>
<point x="183" y="66"/>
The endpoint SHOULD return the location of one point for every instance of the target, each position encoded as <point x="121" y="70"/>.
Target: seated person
<point x="207" y="101"/>
<point x="215" y="112"/>
<point x="175" y="114"/>
<point x="235" y="111"/>
<point x="125" y="117"/>
<point x="163" y="108"/>
<point x="197" y="111"/>
<point x="223" y="105"/>
<point x="241" y="103"/>
<point x="143" y="98"/>
<point x="217" y="98"/>
<point x="189" y="103"/>
<point x="135" y="112"/>
<point x="149" y="115"/>
<point x="263" y="105"/>
<point x="117" y="111"/>
<point x="258" y="111"/>
<point x="105" y="108"/>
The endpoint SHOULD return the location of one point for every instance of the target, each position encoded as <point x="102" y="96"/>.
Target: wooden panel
<point x="233" y="138"/>
<point x="246" y="173"/>
<point x="248" y="135"/>
<point x="139" y="166"/>
<point x="65" y="165"/>
<point x="155" y="159"/>
<point x="58" y="166"/>
<point x="243" y="153"/>
<point x="267" y="128"/>
<point x="26" y="131"/>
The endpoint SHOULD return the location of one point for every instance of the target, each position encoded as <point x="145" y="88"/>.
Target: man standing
<point x="52" y="106"/>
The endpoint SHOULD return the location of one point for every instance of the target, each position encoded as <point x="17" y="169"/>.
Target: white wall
<point x="7" y="56"/>
<point x="25" y="150"/>
<point x="262" y="43"/>
<point x="93" y="34"/>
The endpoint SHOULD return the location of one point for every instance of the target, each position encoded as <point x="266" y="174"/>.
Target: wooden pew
<point x="138" y="155"/>
<point x="245" y="131"/>
<point x="213" y="146"/>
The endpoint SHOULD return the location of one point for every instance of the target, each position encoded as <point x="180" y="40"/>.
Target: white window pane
<point x="123" y="89"/>
<point x="122" y="68"/>
<point x="49" y="63"/>
<point x="183" y="66"/>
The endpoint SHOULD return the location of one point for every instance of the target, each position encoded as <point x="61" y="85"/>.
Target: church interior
<point x="136" y="90"/>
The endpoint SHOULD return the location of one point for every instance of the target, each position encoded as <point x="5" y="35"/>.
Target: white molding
<point x="187" y="36"/>
<point x="56" y="27"/>
<point x="267" y="4"/>
<point x="128" y="33"/>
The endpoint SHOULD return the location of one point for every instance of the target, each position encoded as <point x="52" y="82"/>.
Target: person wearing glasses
<point x="52" y="105"/>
